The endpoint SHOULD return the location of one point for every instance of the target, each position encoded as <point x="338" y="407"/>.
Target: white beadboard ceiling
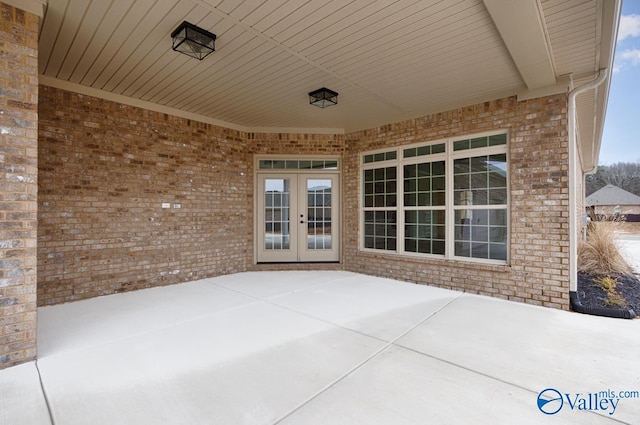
<point x="389" y="59"/>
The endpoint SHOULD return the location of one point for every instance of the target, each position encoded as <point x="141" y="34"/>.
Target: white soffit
<point x="389" y="60"/>
<point x="523" y="32"/>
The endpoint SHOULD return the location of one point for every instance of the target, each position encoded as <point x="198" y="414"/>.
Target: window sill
<point x="438" y="262"/>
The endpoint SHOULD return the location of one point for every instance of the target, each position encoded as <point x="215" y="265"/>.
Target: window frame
<point x="449" y="156"/>
<point x="386" y="163"/>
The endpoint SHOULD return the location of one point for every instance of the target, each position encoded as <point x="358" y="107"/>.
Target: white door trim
<point x="298" y="232"/>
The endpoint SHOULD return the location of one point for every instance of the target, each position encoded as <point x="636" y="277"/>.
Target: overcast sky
<point x="621" y="138"/>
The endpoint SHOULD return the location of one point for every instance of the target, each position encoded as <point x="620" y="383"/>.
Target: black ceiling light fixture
<point x="193" y="41"/>
<point x="323" y="97"/>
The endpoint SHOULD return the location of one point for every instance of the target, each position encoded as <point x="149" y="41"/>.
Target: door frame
<point x="318" y="173"/>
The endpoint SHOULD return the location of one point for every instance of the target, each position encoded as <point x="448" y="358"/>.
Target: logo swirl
<point x="550" y="401"/>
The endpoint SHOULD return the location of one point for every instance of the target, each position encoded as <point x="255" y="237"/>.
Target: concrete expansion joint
<point x="367" y="360"/>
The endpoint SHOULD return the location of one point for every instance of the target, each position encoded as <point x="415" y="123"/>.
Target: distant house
<point x="611" y="200"/>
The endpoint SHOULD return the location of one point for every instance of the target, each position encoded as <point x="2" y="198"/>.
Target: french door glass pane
<point x="319" y="235"/>
<point x="277" y="220"/>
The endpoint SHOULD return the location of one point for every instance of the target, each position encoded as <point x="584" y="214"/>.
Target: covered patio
<point x="453" y="158"/>
<point x="319" y="347"/>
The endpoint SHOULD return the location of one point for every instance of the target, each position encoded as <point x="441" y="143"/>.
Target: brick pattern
<point x="18" y="184"/>
<point x="106" y="169"/>
<point x="538" y="155"/>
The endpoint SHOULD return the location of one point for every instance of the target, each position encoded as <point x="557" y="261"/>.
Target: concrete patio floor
<point x="319" y="348"/>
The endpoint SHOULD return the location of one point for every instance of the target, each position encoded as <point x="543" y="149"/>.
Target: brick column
<point x="18" y="183"/>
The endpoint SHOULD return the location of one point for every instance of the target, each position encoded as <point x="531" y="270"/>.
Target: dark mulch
<point x="592" y="295"/>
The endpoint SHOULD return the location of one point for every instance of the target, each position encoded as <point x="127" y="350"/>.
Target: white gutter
<point x="573" y="169"/>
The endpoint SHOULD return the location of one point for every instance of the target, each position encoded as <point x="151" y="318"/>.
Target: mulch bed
<point x="628" y="287"/>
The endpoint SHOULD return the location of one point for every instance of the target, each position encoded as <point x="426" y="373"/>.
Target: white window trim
<point x="275" y="157"/>
<point x="449" y="156"/>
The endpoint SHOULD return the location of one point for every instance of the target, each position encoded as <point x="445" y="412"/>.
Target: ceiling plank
<point x="240" y="11"/>
<point x="156" y="22"/>
<point x="277" y="14"/>
<point x="69" y="29"/>
<point x="153" y="44"/>
<point x="101" y="32"/>
<point x="319" y="16"/>
<point x="367" y="26"/>
<point x="188" y="83"/>
<point x="180" y="65"/>
<point x="161" y="56"/>
<point x="266" y="71"/>
<point x="85" y="33"/>
<point x="51" y="27"/>
<point x="116" y="38"/>
<point x="423" y="46"/>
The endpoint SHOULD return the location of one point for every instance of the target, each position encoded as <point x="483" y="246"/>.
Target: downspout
<point x="574" y="300"/>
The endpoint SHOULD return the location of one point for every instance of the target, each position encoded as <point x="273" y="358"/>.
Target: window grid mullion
<point x="450" y="214"/>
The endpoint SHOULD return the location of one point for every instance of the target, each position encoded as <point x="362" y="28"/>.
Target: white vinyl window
<point x="446" y="199"/>
<point x="380" y="181"/>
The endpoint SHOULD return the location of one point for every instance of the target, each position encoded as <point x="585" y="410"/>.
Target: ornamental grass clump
<point x="600" y="254"/>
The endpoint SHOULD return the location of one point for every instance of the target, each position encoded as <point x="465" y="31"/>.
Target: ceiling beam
<point x="522" y="29"/>
<point x="32" y="6"/>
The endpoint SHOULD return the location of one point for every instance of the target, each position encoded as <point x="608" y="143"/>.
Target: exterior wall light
<point x="193" y="41"/>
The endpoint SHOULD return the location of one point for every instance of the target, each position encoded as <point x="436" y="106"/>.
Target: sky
<point x="621" y="136"/>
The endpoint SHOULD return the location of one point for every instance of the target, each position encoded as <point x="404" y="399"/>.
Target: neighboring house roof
<point x="388" y="60"/>
<point x="612" y="195"/>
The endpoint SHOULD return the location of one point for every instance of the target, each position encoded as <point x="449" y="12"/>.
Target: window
<point x="380" y="202"/>
<point x="293" y="164"/>
<point x="447" y="199"/>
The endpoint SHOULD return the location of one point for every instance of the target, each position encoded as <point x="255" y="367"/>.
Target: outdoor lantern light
<point x="323" y="97"/>
<point x="193" y="41"/>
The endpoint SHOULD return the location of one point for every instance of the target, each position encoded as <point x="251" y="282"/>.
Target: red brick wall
<point x="106" y="169"/>
<point x="538" y="152"/>
<point x="18" y="184"/>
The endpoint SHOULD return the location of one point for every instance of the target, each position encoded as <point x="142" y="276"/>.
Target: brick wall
<point x="18" y="184"/>
<point x="106" y="169"/>
<point x="538" y="152"/>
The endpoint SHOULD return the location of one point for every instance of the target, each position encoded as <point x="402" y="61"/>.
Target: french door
<point x="298" y="217"/>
